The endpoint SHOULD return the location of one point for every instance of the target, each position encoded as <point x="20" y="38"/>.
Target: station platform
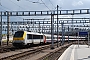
<point x="76" y="52"/>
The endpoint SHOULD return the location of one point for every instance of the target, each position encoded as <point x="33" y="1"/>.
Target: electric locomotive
<point x="26" y="38"/>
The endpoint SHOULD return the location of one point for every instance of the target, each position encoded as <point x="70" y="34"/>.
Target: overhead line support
<point x="8" y="27"/>
<point x="1" y="31"/>
<point x="57" y="25"/>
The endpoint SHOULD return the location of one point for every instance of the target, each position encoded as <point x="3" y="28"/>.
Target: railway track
<point x="4" y="48"/>
<point x="19" y="56"/>
<point x="55" y="55"/>
<point x="16" y="56"/>
<point x="26" y="53"/>
<point x="40" y="49"/>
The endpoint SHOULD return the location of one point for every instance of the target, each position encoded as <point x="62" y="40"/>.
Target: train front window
<point x="19" y="34"/>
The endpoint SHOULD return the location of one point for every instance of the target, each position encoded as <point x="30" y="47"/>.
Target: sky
<point x="14" y="5"/>
<point x="41" y="5"/>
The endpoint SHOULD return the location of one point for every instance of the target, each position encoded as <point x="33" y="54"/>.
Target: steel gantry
<point x="41" y="13"/>
<point x="19" y="25"/>
<point x="46" y="13"/>
<point x="80" y="20"/>
<point x="47" y="23"/>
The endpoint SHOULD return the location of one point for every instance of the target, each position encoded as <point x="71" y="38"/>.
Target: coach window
<point x="29" y="36"/>
<point x="54" y="37"/>
<point x="41" y="37"/>
<point x="47" y="37"/>
<point x="36" y="37"/>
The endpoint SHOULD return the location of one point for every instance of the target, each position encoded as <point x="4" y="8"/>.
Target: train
<point x="23" y="38"/>
<point x="28" y="38"/>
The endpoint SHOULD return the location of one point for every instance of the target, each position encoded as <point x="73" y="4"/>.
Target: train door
<point x="29" y="39"/>
<point x="36" y="39"/>
<point x="41" y="39"/>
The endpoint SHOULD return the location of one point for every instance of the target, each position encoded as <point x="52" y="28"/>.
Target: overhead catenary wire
<point x="39" y="3"/>
<point x="7" y="8"/>
<point x="34" y="1"/>
<point x="45" y="5"/>
<point x="0" y="3"/>
<point x="4" y="7"/>
<point x="17" y="4"/>
<point x="29" y="1"/>
<point x="51" y="3"/>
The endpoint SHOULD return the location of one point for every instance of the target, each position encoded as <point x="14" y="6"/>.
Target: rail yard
<point x="40" y="52"/>
<point x="39" y="30"/>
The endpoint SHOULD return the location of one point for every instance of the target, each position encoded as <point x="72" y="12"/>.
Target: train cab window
<point x="19" y="34"/>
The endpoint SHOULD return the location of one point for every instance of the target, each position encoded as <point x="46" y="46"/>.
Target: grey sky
<point x="51" y="4"/>
<point x="28" y="5"/>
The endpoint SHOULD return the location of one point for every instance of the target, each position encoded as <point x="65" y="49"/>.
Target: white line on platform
<point x="72" y="54"/>
<point x="63" y="55"/>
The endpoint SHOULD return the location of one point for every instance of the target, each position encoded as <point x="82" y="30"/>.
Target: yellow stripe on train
<point x="24" y="35"/>
<point x="20" y="38"/>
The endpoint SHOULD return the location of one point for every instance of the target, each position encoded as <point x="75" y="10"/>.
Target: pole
<point x="1" y="31"/>
<point x="23" y="21"/>
<point x="72" y="26"/>
<point x="28" y="27"/>
<point x="18" y="26"/>
<point x="88" y="39"/>
<point x="12" y="28"/>
<point x="33" y="25"/>
<point x="62" y="33"/>
<point x="78" y="39"/>
<point x="57" y="25"/>
<point x="68" y="34"/>
<point x="39" y="26"/>
<point x="7" y="27"/>
<point x="52" y="29"/>
<point x="43" y="27"/>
